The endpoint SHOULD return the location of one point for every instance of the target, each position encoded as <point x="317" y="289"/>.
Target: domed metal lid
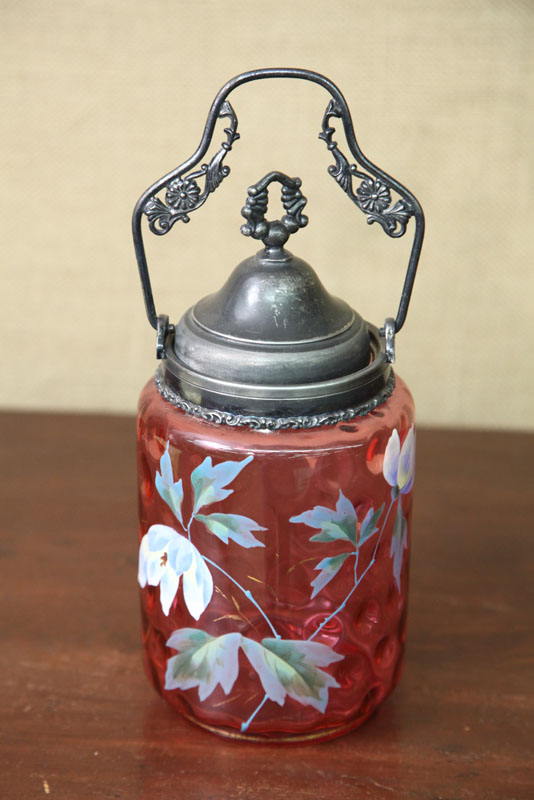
<point x="272" y="348"/>
<point x="272" y="340"/>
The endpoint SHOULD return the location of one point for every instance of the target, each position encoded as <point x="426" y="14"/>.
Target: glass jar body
<point x="273" y="567"/>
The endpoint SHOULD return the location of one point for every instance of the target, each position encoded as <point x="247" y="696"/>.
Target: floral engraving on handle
<point x="373" y="195"/>
<point x="183" y="193"/>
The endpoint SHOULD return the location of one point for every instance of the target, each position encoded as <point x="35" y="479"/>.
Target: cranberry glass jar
<point x="276" y="455"/>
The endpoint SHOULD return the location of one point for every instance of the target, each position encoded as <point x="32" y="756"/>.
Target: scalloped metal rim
<point x="271" y="423"/>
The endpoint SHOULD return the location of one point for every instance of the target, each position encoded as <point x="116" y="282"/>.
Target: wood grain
<point x="79" y="719"/>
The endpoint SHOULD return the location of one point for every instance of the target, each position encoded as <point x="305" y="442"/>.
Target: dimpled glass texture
<point x="358" y="614"/>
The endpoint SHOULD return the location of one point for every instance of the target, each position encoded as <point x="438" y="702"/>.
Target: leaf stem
<point x="333" y="614"/>
<point x="357" y="579"/>
<point x="357" y="554"/>
<point x="246" y="592"/>
<point x="382" y="530"/>
<point x="244" y="725"/>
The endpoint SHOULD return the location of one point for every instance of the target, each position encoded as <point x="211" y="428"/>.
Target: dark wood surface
<point x="79" y="719"/>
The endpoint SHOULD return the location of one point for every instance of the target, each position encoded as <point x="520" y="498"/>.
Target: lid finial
<point x="274" y="234"/>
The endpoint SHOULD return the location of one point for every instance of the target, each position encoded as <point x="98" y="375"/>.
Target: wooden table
<point x="79" y="719"/>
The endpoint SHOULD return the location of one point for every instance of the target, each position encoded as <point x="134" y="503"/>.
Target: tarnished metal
<point x="275" y="234"/>
<point x="389" y="339"/>
<point x="272" y="423"/>
<point x="272" y="343"/>
<point x="220" y="108"/>
<point x="163" y="330"/>
<point x="373" y="195"/>
<point x="293" y="349"/>
<point x="183" y="193"/>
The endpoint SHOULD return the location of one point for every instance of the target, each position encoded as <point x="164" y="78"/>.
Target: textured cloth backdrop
<point x="101" y="98"/>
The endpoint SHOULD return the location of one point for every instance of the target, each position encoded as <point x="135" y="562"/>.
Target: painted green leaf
<point x="369" y="527"/>
<point x="329" y="568"/>
<point x="286" y="667"/>
<point x="233" y="526"/>
<point x="399" y="542"/>
<point x="291" y="668"/>
<point x="209" y="482"/>
<point x="333" y="524"/>
<point x="169" y="490"/>
<point x="203" y="661"/>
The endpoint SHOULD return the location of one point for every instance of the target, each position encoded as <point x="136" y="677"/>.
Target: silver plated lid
<point x="272" y="348"/>
<point x="272" y="339"/>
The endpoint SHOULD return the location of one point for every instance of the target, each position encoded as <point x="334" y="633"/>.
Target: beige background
<point x="103" y="97"/>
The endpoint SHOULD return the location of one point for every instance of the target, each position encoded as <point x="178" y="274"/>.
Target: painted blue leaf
<point x="233" y="526"/>
<point x="399" y="542"/>
<point x="368" y="527"/>
<point x="329" y="568"/>
<point x="209" y="482"/>
<point x="169" y="490"/>
<point x="333" y="524"/>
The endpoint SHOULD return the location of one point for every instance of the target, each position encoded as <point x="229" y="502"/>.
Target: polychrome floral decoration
<point x="168" y="556"/>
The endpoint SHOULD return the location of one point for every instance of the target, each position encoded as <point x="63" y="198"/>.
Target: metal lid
<point x="272" y="348"/>
<point x="272" y="339"/>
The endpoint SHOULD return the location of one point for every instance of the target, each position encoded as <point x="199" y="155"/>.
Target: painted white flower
<point x="399" y="462"/>
<point x="164" y="557"/>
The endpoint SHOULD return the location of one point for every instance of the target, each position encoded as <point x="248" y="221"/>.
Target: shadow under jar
<point x="276" y="455"/>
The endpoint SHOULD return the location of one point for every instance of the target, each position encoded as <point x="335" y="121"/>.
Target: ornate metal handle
<point x="372" y="196"/>
<point x="275" y="234"/>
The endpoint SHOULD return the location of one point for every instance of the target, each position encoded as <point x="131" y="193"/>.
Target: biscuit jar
<point x="276" y="455"/>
